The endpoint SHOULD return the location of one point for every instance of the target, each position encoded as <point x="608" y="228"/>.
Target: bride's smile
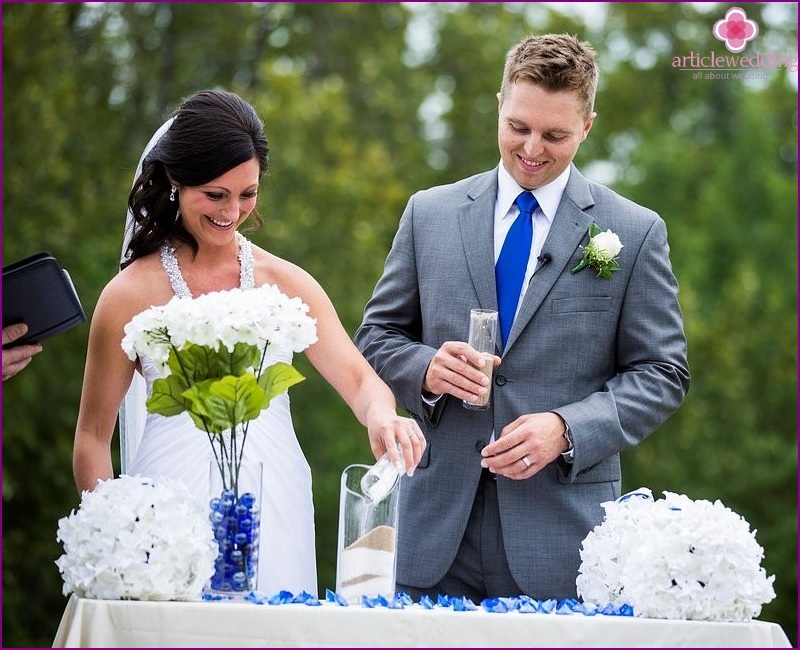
<point x="210" y="208"/>
<point x="220" y="223"/>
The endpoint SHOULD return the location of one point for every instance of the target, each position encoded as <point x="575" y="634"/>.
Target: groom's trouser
<point x="480" y="569"/>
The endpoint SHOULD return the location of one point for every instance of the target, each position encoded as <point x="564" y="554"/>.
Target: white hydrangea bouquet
<point x="211" y="351"/>
<point x="214" y="355"/>
<point x="133" y="538"/>
<point x="674" y="558"/>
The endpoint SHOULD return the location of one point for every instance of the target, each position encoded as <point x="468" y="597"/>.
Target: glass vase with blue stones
<point x="235" y="515"/>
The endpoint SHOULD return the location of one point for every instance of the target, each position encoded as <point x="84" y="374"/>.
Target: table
<point x="140" y="624"/>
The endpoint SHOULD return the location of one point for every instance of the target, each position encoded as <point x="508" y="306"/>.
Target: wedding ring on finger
<point x="527" y="462"/>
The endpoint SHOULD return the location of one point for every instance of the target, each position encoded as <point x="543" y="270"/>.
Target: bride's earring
<point x="172" y="194"/>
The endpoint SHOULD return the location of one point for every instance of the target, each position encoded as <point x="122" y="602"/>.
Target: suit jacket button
<point x="480" y="445"/>
<point x="500" y="380"/>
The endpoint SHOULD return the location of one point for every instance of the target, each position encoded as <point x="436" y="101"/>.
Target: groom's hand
<point x="454" y="370"/>
<point x="526" y="445"/>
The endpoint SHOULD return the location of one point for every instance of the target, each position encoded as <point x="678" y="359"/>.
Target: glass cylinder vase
<point x="367" y="545"/>
<point x="235" y="514"/>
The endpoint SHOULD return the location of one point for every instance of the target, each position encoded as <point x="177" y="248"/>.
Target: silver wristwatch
<point x="568" y="455"/>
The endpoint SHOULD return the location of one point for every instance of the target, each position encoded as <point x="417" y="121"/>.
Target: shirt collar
<point x="548" y="196"/>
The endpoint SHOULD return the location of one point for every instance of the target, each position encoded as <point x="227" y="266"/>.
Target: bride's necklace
<point x="178" y="283"/>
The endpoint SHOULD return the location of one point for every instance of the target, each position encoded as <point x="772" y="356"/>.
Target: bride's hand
<point x="387" y="430"/>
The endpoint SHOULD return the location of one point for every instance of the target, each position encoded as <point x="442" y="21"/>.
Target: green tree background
<point x="364" y="103"/>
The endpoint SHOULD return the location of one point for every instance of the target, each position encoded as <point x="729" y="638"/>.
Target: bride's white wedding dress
<point x="173" y="446"/>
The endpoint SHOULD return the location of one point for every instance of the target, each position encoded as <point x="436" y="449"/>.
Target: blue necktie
<point x="513" y="261"/>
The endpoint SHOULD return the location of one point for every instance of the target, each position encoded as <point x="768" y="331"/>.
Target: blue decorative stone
<point x="236" y="531"/>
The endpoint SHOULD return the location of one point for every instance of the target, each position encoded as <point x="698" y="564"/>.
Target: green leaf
<point x="167" y="398"/>
<point x="594" y="229"/>
<point x="278" y="378"/>
<point x="219" y="403"/>
<point x="201" y="362"/>
<point x="226" y="402"/>
<point x="202" y="423"/>
<point x="581" y="265"/>
<point x="194" y="362"/>
<point x="244" y="357"/>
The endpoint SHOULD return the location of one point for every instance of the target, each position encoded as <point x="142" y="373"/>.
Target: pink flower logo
<point x="735" y="29"/>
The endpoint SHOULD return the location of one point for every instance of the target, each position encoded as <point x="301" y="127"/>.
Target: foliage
<point x="358" y="120"/>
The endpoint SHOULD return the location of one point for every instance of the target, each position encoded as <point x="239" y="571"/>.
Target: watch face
<point x="568" y="455"/>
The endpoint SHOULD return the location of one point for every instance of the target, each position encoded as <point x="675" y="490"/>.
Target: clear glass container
<point x="367" y="543"/>
<point x="235" y="515"/>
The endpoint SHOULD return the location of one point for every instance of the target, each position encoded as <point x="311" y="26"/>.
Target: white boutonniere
<point x="601" y="252"/>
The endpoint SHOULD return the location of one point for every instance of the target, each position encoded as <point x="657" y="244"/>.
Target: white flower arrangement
<point x="211" y="351"/>
<point x="255" y="317"/>
<point x="213" y="357"/>
<point x="134" y="538"/>
<point x="674" y="558"/>
<point x="601" y="253"/>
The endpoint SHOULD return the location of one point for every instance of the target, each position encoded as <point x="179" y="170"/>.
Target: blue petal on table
<point x="333" y="597"/>
<point x="371" y="603"/>
<point x="462" y="604"/>
<point x="426" y="602"/>
<point x="281" y="598"/>
<point x="404" y="598"/>
<point x="499" y="605"/>
<point x="306" y="598"/>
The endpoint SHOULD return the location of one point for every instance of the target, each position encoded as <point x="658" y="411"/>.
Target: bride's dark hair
<point x="213" y="132"/>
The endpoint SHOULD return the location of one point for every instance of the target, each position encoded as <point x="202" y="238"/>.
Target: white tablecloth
<point x="134" y="624"/>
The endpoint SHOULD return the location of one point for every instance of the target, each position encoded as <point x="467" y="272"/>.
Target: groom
<point x="591" y="365"/>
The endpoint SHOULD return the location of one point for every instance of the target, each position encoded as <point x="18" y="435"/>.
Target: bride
<point x="198" y="184"/>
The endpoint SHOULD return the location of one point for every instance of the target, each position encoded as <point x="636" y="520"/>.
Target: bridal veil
<point x="133" y="412"/>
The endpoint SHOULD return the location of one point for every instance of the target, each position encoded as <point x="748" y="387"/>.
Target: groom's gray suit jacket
<point x="608" y="355"/>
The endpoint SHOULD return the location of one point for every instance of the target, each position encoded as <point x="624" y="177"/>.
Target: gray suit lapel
<point x="476" y="221"/>
<point x="568" y="231"/>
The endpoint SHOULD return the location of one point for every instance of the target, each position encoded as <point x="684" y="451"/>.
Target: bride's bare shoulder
<point x="292" y="279"/>
<point x="138" y="286"/>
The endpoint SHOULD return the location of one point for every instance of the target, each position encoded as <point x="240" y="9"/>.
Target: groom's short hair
<point x="555" y="62"/>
